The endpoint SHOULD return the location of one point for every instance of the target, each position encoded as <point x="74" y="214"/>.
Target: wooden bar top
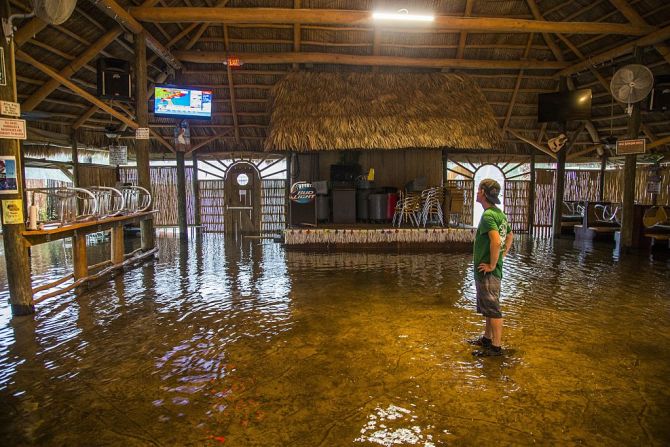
<point x="36" y="237"/>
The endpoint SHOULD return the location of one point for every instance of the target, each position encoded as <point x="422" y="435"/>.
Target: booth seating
<point x="656" y="221"/>
<point x="601" y="219"/>
<point x="572" y="214"/>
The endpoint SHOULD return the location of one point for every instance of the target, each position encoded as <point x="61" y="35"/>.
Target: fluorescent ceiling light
<point x="402" y="15"/>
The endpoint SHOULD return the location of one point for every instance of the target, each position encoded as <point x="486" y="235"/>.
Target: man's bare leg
<point x="487" y="329"/>
<point x="496" y="325"/>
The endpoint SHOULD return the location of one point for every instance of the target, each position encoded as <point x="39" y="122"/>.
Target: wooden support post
<point x="79" y="256"/>
<point x="601" y="179"/>
<point x="16" y="251"/>
<point x="287" y="200"/>
<point x="181" y="196"/>
<point x="445" y="162"/>
<point x="118" y="247"/>
<point x="75" y="158"/>
<point x="196" y="195"/>
<point x="142" y="146"/>
<point x="626" y="240"/>
<point x="560" y="176"/>
<point x="559" y="192"/>
<point x="531" y="196"/>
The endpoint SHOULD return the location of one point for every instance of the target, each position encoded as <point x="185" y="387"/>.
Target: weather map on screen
<point x="183" y="102"/>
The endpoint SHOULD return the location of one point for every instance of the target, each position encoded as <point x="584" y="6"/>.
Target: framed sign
<point x="12" y="129"/>
<point x="628" y="147"/>
<point x="118" y="155"/>
<point x="10" y="108"/>
<point x="12" y="212"/>
<point x="8" y="181"/>
<point x="142" y="133"/>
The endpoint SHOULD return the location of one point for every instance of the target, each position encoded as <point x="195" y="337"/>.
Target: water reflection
<point x="236" y="341"/>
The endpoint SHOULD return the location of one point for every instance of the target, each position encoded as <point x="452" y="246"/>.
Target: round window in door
<point x="243" y="179"/>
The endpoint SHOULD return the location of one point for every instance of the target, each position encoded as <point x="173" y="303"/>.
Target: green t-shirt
<point x="492" y="219"/>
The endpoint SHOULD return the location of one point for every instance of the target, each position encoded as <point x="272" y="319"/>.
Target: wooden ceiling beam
<point x="464" y="35"/>
<point x="517" y="86"/>
<point x="650" y="39"/>
<point x="364" y="18"/>
<point x="121" y="16"/>
<point x="28" y="31"/>
<point x="23" y="56"/>
<point x="231" y="88"/>
<point x="51" y="85"/>
<point x="210" y="57"/>
<point x="636" y="19"/>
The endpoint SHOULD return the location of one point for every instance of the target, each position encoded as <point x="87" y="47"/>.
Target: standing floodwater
<point x="244" y="344"/>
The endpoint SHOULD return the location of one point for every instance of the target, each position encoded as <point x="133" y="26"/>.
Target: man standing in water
<point x="489" y="252"/>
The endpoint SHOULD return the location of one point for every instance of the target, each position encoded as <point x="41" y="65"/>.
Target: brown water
<point x="245" y="344"/>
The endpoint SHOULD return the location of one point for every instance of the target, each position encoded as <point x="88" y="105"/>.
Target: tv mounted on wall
<point x="564" y="106"/>
<point x="182" y="102"/>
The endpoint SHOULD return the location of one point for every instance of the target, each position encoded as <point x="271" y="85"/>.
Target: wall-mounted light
<point x="402" y="15"/>
<point x="233" y="61"/>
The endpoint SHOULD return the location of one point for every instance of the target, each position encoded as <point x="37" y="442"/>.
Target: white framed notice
<point x="142" y="133"/>
<point x="10" y="108"/>
<point x="12" y="129"/>
<point x="118" y="155"/>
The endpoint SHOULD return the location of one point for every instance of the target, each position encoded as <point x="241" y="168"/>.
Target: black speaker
<point x="114" y="79"/>
<point x="661" y="94"/>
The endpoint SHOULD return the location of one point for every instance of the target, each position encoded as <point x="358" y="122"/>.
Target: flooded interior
<point x="224" y="342"/>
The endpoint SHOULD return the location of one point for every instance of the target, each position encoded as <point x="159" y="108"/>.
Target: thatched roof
<point x="340" y="111"/>
<point x="274" y="46"/>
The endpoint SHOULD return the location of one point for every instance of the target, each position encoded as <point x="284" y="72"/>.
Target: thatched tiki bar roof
<point x="340" y="111"/>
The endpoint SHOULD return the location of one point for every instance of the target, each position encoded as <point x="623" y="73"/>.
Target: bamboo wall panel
<point x="468" y="188"/>
<point x="614" y="186"/>
<point x="581" y="185"/>
<point x="516" y="204"/>
<point x="164" y="193"/>
<point x="212" y="205"/>
<point x="392" y="168"/>
<point x="544" y="200"/>
<point x="273" y="212"/>
<point x="97" y="176"/>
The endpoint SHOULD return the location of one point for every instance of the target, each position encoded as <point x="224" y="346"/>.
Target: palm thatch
<point x="339" y="111"/>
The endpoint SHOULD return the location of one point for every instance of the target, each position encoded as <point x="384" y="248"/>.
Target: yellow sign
<point x="12" y="211"/>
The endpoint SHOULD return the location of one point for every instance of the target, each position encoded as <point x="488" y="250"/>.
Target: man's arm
<point x="494" y="247"/>
<point x="508" y="243"/>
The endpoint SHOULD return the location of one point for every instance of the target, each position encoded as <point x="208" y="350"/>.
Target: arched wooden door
<point x="242" y="191"/>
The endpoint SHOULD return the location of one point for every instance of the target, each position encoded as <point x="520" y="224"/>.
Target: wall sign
<point x="12" y="212"/>
<point x="10" y="108"/>
<point x="628" y="147"/>
<point x="8" y="181"/>
<point x="302" y="192"/>
<point x="12" y="129"/>
<point x="118" y="155"/>
<point x="142" y="133"/>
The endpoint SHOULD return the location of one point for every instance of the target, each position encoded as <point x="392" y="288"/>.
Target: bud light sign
<point x="302" y="192"/>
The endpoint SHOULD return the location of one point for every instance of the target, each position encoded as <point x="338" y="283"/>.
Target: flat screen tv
<point x="564" y="106"/>
<point x="182" y="102"/>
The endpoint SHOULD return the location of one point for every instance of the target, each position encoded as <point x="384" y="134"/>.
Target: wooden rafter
<point x="636" y="19"/>
<point x="231" y="88"/>
<point x="211" y="57"/>
<point x="464" y="35"/>
<point x="36" y="98"/>
<point x="364" y="18"/>
<point x="517" y="85"/>
<point x="116" y="12"/>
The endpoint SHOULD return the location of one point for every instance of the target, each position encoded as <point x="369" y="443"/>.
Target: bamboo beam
<point x="364" y="18"/>
<point x="297" y="33"/>
<point x="533" y="143"/>
<point x="28" y="31"/>
<point x="648" y="40"/>
<point x="116" y="12"/>
<point x="51" y="85"/>
<point x="231" y="88"/>
<point x="211" y="57"/>
<point x="535" y="11"/>
<point x="21" y="55"/>
<point x="636" y="19"/>
<point x="464" y="35"/>
<point x="517" y="86"/>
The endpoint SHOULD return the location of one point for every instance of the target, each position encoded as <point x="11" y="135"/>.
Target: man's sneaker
<point x="481" y="341"/>
<point x="489" y="351"/>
